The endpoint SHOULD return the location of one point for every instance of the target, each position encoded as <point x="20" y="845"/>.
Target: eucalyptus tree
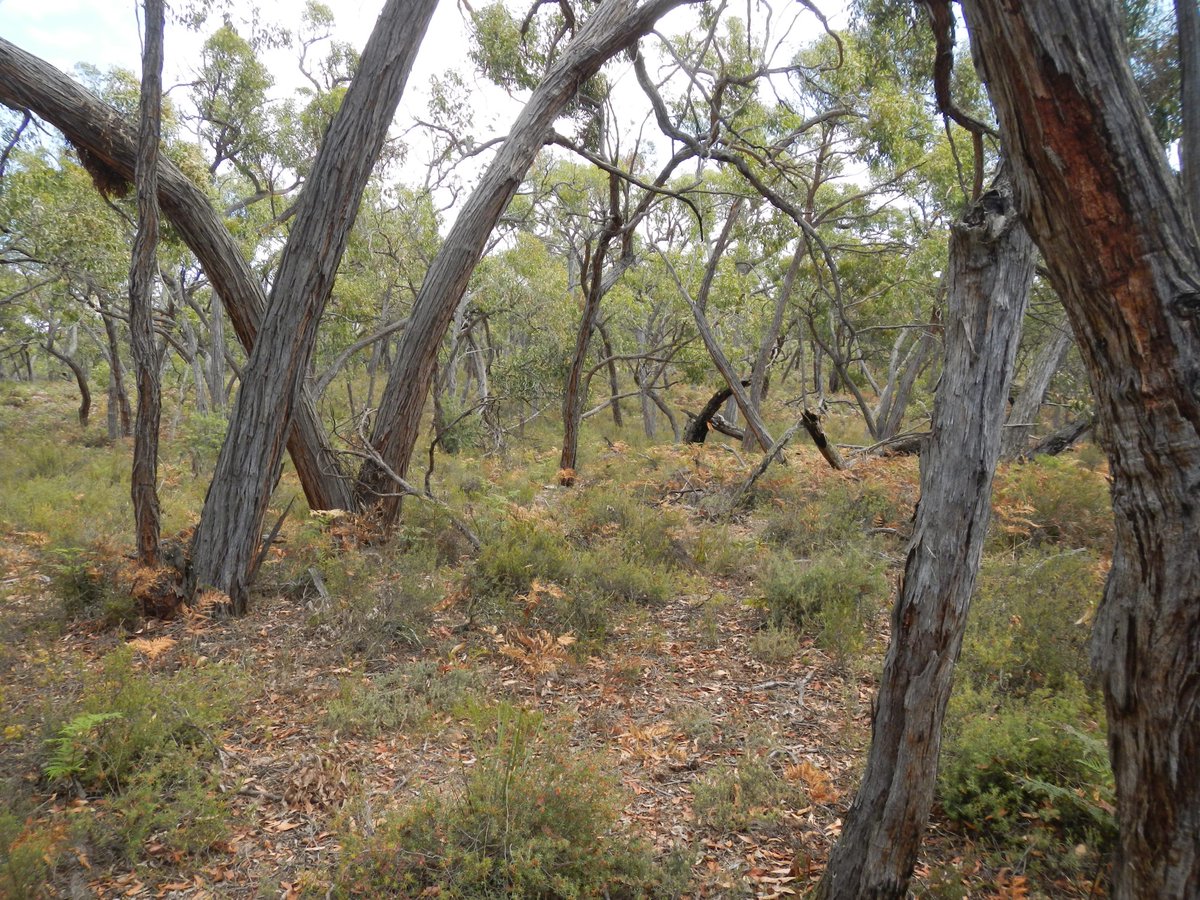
<point x="107" y="145"/>
<point x="143" y="274"/>
<point x="611" y="27"/>
<point x="226" y="541"/>
<point x="1115" y="228"/>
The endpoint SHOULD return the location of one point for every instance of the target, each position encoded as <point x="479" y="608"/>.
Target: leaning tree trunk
<point x="85" y="395"/>
<point x="991" y="270"/>
<point x="227" y="539"/>
<point x="767" y="346"/>
<point x="614" y="383"/>
<point x="1107" y="213"/>
<point x="1023" y="416"/>
<point x="143" y="483"/>
<point x="613" y="26"/>
<point x="106" y="141"/>
<point x="1187" y="15"/>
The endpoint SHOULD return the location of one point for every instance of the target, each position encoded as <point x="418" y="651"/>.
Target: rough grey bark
<point x="227" y="538"/>
<point x="1023" y="416"/>
<point x="613" y="26"/>
<point x="991" y="269"/>
<point x="216" y="359"/>
<point x="143" y="482"/>
<point x="98" y="130"/>
<point x="1187" y="15"/>
<point x="1107" y="212"/>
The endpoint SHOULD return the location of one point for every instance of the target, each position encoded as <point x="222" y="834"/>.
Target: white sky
<point x="105" y="34"/>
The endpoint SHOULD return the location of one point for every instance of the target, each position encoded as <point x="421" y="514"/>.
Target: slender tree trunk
<point x="614" y="385"/>
<point x="226" y="541"/>
<point x="758" y="374"/>
<point x="27" y="82"/>
<point x="85" y="395"/>
<point x="1108" y="214"/>
<point x="991" y="270"/>
<point x="143" y="484"/>
<point x="1023" y="416"/>
<point x="612" y="26"/>
<point x="118" y="396"/>
<point x="592" y="278"/>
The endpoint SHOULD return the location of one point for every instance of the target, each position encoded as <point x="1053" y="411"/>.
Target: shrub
<point x="621" y="578"/>
<point x="400" y="699"/>
<point x="370" y="617"/>
<point x="748" y="795"/>
<point x="521" y="551"/>
<point x="840" y="514"/>
<point x="835" y="594"/>
<point x="1052" y="500"/>
<point x="533" y="818"/>
<point x="775" y="644"/>
<point x="87" y="590"/>
<point x="26" y="856"/>
<point x="1030" y="622"/>
<point x="1037" y="761"/>
<point x="125" y="720"/>
<point x="150" y="743"/>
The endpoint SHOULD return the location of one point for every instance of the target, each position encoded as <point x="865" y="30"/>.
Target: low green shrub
<point x="520" y="551"/>
<point x="403" y="699"/>
<point x="836" y="594"/>
<point x="839" y="515"/>
<point x="775" y="644"/>
<point x="125" y="720"/>
<point x="748" y="795"/>
<point x="532" y="818"/>
<point x="87" y="589"/>
<point x="26" y="858"/>
<point x="149" y="743"/>
<point x="1030" y="621"/>
<point x="1037" y="762"/>
<point x="1052" y="500"/>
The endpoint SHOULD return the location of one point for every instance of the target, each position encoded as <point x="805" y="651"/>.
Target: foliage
<point x="1035" y="762"/>
<point x="1052" y="500"/>
<point x="835" y="594"/>
<point x="26" y="858"/>
<point x="749" y="795"/>
<point x="839" y="512"/>
<point x="1030" y="621"/>
<point x="401" y="700"/>
<point x="130" y="719"/>
<point x="532" y="818"/>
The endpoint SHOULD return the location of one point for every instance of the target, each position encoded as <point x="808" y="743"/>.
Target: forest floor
<point x="357" y="691"/>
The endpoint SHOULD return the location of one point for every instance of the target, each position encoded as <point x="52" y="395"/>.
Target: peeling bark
<point x="1093" y="184"/>
<point x="991" y="269"/>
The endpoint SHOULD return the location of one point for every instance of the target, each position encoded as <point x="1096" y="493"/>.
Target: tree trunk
<point x="143" y="482"/>
<point x="227" y="539"/>
<point x="27" y="82"/>
<point x="613" y="26"/>
<point x="758" y="373"/>
<point x="1187" y="15"/>
<point x="991" y="270"/>
<point x="1023" y="416"/>
<point x="85" y="395"/>
<point x="614" y="384"/>
<point x="118" y="397"/>
<point x="1107" y="212"/>
<point x="593" y="280"/>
